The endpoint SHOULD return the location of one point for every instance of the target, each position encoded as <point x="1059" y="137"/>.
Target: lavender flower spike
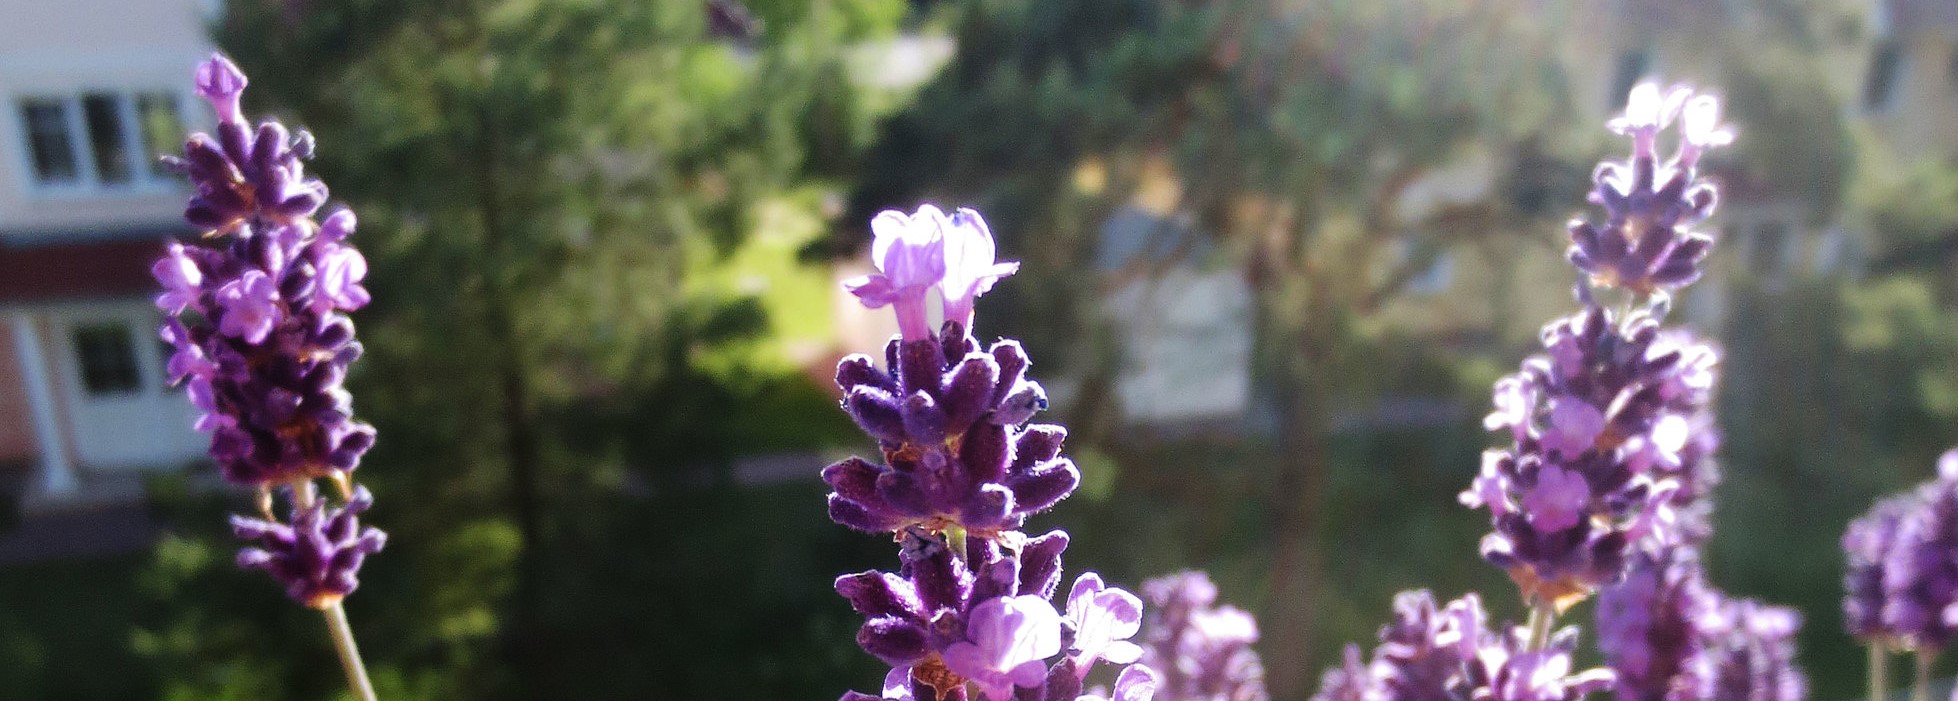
<point x="1866" y="546"/>
<point x="909" y="252"/>
<point x="264" y="340"/>
<point x="1201" y="650"/>
<point x="1920" y="571"/>
<point x="1609" y="428"/>
<point x="1749" y="655"/>
<point x="1650" y="626"/>
<point x="1450" y="654"/>
<point x="256" y="315"/>
<point x="1644" y="244"/>
<point x="951" y="419"/>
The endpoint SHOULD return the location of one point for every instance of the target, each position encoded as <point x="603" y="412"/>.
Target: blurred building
<point x="90" y="92"/>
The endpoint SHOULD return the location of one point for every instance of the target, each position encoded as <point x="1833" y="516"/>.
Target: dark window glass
<point x="108" y="358"/>
<point x="162" y="129"/>
<point x="103" y="115"/>
<point x="1880" y="87"/>
<point x="1632" y="65"/>
<point x="46" y="122"/>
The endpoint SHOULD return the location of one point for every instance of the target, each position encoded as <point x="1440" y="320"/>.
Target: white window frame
<point x="88" y="181"/>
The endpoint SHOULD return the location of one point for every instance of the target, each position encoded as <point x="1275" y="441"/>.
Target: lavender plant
<point x="1901" y="578"/>
<point x="969" y="609"/>
<point x="255" y="310"/>
<point x="1604" y="487"/>
<point x="1203" y="650"/>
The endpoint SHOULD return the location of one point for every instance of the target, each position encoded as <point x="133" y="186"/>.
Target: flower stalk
<point x="343" y="644"/>
<point x="1543" y="619"/>
<point x="1920" y="688"/>
<point x="1879" y="672"/>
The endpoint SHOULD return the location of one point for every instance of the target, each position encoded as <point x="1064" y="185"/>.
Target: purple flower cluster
<point x="1645" y="244"/>
<point x="1866" y="546"/>
<point x="1748" y="654"/>
<point x="256" y="306"/>
<point x="1431" y="653"/>
<point x="1673" y="637"/>
<point x="949" y="417"/>
<point x="255" y="312"/>
<point x="1203" y="650"/>
<point x="1902" y="575"/>
<point x="1601" y="425"/>
<point x="317" y="556"/>
<point x="1610" y="426"/>
<point x="970" y="606"/>
<point x="1649" y="625"/>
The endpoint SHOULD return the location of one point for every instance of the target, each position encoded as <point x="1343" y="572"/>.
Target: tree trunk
<point x="1297" y="560"/>
<point x="519" y="423"/>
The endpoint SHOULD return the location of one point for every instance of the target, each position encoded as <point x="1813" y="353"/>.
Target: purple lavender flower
<point x="255" y="313"/>
<point x="1350" y="681"/>
<point x="909" y="252"/>
<point x="948" y="417"/>
<point x="1103" y="618"/>
<point x="182" y="281"/>
<point x="1866" y="546"/>
<point x="1748" y="655"/>
<point x="1650" y="625"/>
<point x="221" y="83"/>
<point x="1920" y="569"/>
<point x="317" y="556"/>
<point x="985" y="619"/>
<point x="971" y="606"/>
<point x="1422" y="653"/>
<point x="970" y="268"/>
<point x="1645" y="243"/>
<point x="1202" y="651"/>
<point x="263" y="342"/>
<point x="1007" y="641"/>
<point x="1508" y="672"/>
<point x="1601" y="423"/>
<point x="1137" y="682"/>
<point x="1431" y="653"/>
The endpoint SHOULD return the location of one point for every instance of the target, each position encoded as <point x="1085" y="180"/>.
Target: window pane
<point x="103" y="114"/>
<point x="46" y="122"/>
<point x="108" y="358"/>
<point x="161" y="127"/>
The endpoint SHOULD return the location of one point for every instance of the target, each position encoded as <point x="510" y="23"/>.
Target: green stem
<point x="1543" y="616"/>
<point x="343" y="643"/>
<point x="955" y="539"/>
<point x="1879" y="671"/>
<point x="1921" y="691"/>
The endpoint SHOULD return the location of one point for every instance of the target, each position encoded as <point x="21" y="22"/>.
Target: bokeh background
<point x="1275" y="252"/>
